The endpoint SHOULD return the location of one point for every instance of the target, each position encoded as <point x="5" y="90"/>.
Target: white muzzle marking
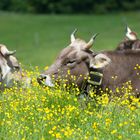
<point x="48" y="81"/>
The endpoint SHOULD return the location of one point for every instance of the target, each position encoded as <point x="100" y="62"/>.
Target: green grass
<point x="39" y="38"/>
<point x="38" y="113"/>
<point x="41" y="113"/>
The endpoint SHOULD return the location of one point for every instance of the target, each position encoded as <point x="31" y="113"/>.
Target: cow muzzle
<point x="45" y="80"/>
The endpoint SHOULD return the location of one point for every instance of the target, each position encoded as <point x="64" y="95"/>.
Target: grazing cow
<point x="10" y="69"/>
<point x="100" y="67"/>
<point x="131" y="41"/>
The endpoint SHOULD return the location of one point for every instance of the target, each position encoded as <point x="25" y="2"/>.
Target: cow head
<point x="73" y="61"/>
<point x="131" y="41"/>
<point x="9" y="65"/>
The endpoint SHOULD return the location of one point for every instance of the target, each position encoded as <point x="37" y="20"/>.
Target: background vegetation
<point x="69" y="6"/>
<point x="39" y="38"/>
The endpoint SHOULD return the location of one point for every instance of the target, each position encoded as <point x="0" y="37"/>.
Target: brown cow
<point x="80" y="60"/>
<point x="9" y="66"/>
<point x="131" y="41"/>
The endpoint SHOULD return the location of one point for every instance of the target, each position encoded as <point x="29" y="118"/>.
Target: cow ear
<point x="5" y="51"/>
<point x="100" y="61"/>
<point x="90" y="43"/>
<point x="130" y="34"/>
<point x="73" y="36"/>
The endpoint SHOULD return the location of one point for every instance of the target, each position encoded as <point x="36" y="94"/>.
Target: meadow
<point x="42" y="113"/>
<point x="35" y="37"/>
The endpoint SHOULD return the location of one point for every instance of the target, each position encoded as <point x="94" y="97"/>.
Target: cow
<point x="10" y="69"/>
<point x="131" y="41"/>
<point x="91" y="68"/>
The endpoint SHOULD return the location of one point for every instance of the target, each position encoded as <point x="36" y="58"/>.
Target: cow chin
<point x="8" y="81"/>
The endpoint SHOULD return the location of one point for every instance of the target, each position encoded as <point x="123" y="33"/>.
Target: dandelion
<point x="46" y="68"/>
<point x="139" y="132"/>
<point x="23" y="138"/>
<point x="132" y="108"/>
<point x="95" y="125"/>
<point x="108" y="121"/>
<point x="113" y="131"/>
<point x="75" y="99"/>
<point x="50" y="132"/>
<point x="95" y="138"/>
<point x="58" y="135"/>
<point x="119" y="137"/>
<point x="68" y="72"/>
<point x="120" y="124"/>
<point x="99" y="116"/>
<point x="125" y="123"/>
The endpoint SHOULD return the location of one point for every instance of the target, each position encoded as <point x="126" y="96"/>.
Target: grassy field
<point x="42" y="113"/>
<point x="39" y="38"/>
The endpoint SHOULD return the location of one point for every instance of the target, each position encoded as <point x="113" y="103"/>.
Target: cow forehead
<point x="67" y="52"/>
<point x="72" y="49"/>
<point x="78" y="43"/>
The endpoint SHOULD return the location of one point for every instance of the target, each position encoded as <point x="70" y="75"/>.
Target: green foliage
<point x="69" y="6"/>
<point x="4" y="4"/>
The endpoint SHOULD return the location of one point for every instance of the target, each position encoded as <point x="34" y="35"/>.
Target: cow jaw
<point x="8" y="79"/>
<point x="5" y="71"/>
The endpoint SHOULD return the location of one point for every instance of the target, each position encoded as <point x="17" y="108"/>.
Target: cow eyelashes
<point x="103" y="60"/>
<point x="71" y="63"/>
<point x="16" y="68"/>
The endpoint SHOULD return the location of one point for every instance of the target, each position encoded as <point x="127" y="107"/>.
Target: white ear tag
<point x="100" y="61"/>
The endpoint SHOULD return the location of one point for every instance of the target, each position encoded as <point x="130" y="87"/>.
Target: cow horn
<point x="130" y="34"/>
<point x="73" y="35"/>
<point x="90" y="43"/>
<point x="128" y="30"/>
<point x="5" y="51"/>
<point x="10" y="52"/>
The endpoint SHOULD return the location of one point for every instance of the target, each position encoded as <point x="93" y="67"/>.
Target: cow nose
<point x="45" y="80"/>
<point x="40" y="79"/>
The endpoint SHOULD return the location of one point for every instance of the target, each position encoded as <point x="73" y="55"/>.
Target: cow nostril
<point x="41" y="78"/>
<point x="45" y="80"/>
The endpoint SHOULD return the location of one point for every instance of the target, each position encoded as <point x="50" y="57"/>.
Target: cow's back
<point x="122" y="69"/>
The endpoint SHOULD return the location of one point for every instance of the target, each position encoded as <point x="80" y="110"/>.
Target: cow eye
<point x="71" y="62"/>
<point x="16" y="67"/>
<point x="103" y="60"/>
